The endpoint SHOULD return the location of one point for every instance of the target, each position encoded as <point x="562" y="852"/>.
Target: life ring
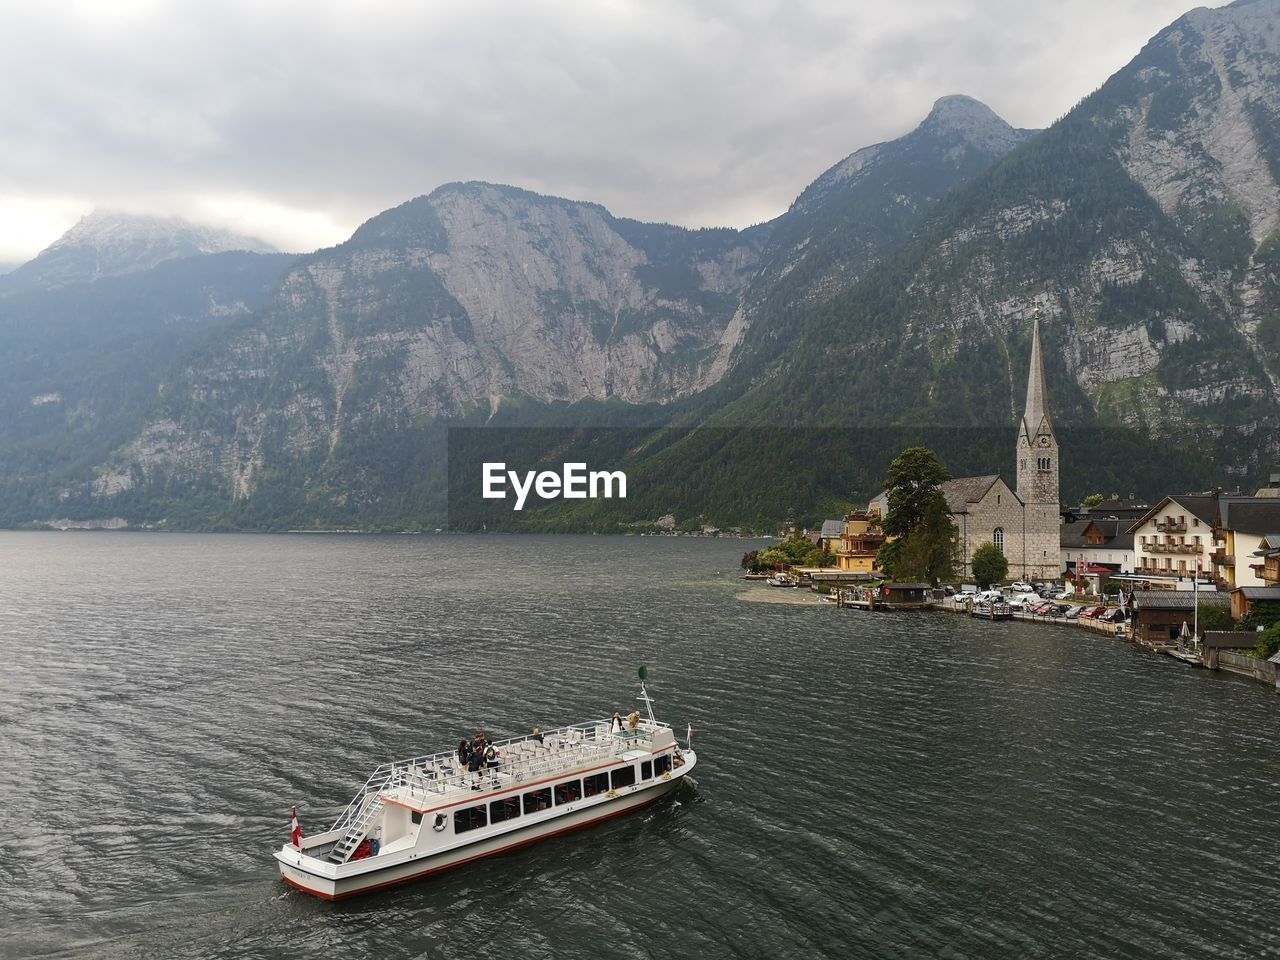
<point x="440" y="823"/>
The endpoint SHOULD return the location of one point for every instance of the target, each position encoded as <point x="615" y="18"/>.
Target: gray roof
<point x="1177" y="599"/>
<point x="1129" y="506"/>
<point x="962" y="491"/>
<point x="1072" y="534"/>
<point x="1231" y="639"/>
<point x="1116" y="532"/>
<point x="832" y="529"/>
<point x="1259" y="593"/>
<point x="1199" y="505"/>
<point x="1251" y="516"/>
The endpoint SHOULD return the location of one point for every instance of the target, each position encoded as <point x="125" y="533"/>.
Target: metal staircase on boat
<point x="351" y="840"/>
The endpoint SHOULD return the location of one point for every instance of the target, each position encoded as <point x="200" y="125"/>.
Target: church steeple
<point x="1035" y="419"/>
<point x="1037" y="445"/>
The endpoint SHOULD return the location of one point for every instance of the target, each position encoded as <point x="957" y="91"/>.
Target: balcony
<point x="1158" y="547"/>
<point x="1223" y="559"/>
<point x="1171" y="526"/>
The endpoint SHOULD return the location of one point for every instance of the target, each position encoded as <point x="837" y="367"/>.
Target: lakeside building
<point x="1023" y="523"/>
<point x="1245" y="523"/>
<point x="1158" y="615"/>
<point x="1091" y="544"/>
<point x="1269" y="554"/>
<point x="1175" y="539"/>
<point x="859" y="541"/>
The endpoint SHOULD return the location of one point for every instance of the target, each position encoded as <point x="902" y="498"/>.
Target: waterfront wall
<point x="1252" y="667"/>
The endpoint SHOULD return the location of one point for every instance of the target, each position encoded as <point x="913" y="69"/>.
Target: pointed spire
<point x="1037" y="410"/>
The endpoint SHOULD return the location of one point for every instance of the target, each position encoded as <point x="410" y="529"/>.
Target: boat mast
<point x="648" y="700"/>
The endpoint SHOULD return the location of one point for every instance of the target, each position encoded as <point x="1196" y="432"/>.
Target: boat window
<point x="416" y="816"/>
<point x="568" y="791"/>
<point x="595" y="783"/>
<point x="504" y="809"/>
<point x="623" y="777"/>
<point x="536" y="800"/>
<point x="662" y="764"/>
<point x="469" y="819"/>
<point x="646" y="770"/>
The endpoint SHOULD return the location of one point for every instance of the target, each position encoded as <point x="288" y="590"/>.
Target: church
<point x="1022" y="523"/>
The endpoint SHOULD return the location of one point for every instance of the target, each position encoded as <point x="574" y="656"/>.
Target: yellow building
<point x="860" y="541"/>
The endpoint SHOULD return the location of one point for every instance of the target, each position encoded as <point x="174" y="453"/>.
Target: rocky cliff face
<point x="110" y="244"/>
<point x="858" y="212"/>
<point x="450" y="303"/>
<point x="1143" y="223"/>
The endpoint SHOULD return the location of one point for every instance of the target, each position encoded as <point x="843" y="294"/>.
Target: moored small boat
<point x="417" y="817"/>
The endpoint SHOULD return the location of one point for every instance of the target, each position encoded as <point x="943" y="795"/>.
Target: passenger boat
<point x="416" y="817"/>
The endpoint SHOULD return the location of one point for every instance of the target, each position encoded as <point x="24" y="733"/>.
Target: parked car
<point x="1114" y="615"/>
<point x="1021" y="586"/>
<point x="1041" y="609"/>
<point x="991" y="596"/>
<point x="963" y="597"/>
<point x="1073" y="612"/>
<point x="1092" y="613"/>
<point x="1017" y="605"/>
<point x="1064" y="595"/>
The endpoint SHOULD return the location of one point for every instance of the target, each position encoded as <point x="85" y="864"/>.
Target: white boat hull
<point x="336" y="881"/>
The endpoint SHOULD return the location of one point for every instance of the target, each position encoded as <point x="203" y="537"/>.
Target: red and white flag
<point x="688" y="737"/>
<point x="295" y="829"/>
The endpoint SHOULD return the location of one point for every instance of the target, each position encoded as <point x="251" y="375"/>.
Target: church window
<point x="997" y="537"/>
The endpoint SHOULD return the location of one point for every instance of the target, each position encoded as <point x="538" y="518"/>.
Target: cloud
<point x="297" y="121"/>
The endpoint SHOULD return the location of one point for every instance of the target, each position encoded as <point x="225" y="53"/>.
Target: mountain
<point x="771" y="372"/>
<point x="110" y="244"/>
<point x="857" y="212"/>
<point x="81" y="365"/>
<point x="8" y="268"/>
<point x="458" y="305"/>
<point x="1144" y="225"/>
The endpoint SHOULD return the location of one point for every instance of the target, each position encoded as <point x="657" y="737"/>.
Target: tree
<point x="1268" y="643"/>
<point x="912" y="484"/>
<point x="795" y="551"/>
<point x="923" y="544"/>
<point x="1213" y="616"/>
<point x="1265" y="613"/>
<point x="1092" y="500"/>
<point x="989" y="565"/>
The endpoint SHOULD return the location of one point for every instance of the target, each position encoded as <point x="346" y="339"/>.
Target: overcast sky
<point x="297" y="121"/>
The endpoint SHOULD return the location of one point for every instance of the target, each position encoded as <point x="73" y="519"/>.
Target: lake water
<point x="869" y="785"/>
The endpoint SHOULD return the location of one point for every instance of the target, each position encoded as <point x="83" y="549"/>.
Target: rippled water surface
<point x="870" y="785"/>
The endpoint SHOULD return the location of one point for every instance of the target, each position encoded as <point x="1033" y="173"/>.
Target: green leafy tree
<point x="795" y="551"/>
<point x="1212" y="616"/>
<point x="1265" y="613"/>
<point x="1268" y="643"/>
<point x="989" y="565"/>
<point x="924" y="547"/>
<point x="912" y="484"/>
<point x="1092" y="500"/>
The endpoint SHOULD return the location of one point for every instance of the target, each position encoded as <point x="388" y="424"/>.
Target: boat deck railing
<point x="521" y="760"/>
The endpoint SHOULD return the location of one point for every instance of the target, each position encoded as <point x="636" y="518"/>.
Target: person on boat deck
<point x="537" y="734"/>
<point x="464" y="753"/>
<point x="475" y="763"/>
<point x="615" y="725"/>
